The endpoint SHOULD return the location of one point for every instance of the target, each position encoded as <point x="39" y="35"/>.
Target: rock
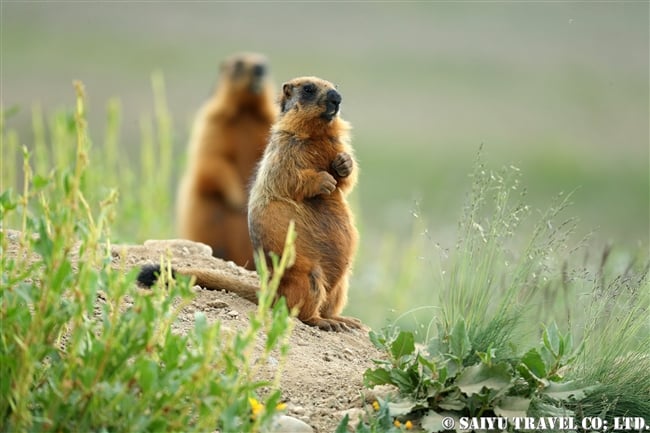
<point x="297" y="410"/>
<point x="181" y="247"/>
<point x="289" y="424"/>
<point x="217" y="304"/>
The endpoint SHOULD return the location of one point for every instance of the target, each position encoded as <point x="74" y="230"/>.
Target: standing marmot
<point x="305" y="175"/>
<point x="229" y="136"/>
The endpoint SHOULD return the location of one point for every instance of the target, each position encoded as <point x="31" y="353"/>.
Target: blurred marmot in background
<point x="228" y="139"/>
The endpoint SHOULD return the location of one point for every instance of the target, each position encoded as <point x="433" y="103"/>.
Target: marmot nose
<point x="259" y="70"/>
<point x="333" y="96"/>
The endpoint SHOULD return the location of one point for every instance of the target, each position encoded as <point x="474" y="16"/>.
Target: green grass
<point x="494" y="296"/>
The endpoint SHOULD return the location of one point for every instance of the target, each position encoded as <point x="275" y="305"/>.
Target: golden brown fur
<point x="228" y="139"/>
<point x="306" y="173"/>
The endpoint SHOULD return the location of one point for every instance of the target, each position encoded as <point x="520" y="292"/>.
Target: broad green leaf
<point x="566" y="391"/>
<point x="568" y="343"/>
<point x="378" y="376"/>
<point x="459" y="343"/>
<point x="437" y="346"/>
<point x="473" y="379"/>
<point x="428" y="366"/>
<point x="406" y="381"/>
<point x="452" y="402"/>
<point x="399" y="408"/>
<point x="439" y="421"/>
<point x="528" y="375"/>
<point x="534" y="362"/>
<point x="548" y="358"/>
<point x="453" y="367"/>
<point x="552" y="339"/>
<point x="512" y="407"/>
<point x="404" y="344"/>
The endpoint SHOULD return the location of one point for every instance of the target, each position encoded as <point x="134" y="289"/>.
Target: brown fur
<point x="306" y="173"/>
<point x="229" y="136"/>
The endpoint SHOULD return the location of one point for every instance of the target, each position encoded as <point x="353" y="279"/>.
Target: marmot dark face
<point x="245" y="73"/>
<point x="310" y="96"/>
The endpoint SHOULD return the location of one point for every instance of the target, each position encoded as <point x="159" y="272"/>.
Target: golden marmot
<point x="305" y="175"/>
<point x="228" y="139"/>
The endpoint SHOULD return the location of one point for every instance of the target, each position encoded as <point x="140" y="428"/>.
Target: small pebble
<point x="289" y="424"/>
<point x="298" y="410"/>
<point x="217" y="304"/>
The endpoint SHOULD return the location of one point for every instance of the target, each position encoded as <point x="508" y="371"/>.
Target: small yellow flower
<point x="408" y="425"/>
<point x="281" y="406"/>
<point x="397" y="423"/>
<point x="256" y="406"/>
<point x="375" y="405"/>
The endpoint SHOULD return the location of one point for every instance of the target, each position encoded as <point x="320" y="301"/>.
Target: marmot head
<point x="245" y="74"/>
<point x="310" y="98"/>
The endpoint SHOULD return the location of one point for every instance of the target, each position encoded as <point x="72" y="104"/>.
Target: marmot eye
<point x="309" y="89"/>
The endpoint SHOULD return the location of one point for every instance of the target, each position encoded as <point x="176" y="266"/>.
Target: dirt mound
<point x="322" y="377"/>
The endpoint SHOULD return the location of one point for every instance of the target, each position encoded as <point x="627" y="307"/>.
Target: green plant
<point x="144" y="174"/>
<point x="82" y="350"/>
<point x="475" y="358"/>
<point x="443" y="379"/>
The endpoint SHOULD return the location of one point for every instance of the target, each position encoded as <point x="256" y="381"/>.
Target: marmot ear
<point x="287" y="89"/>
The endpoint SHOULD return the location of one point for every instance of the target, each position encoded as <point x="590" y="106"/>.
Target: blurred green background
<point x="559" y="90"/>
